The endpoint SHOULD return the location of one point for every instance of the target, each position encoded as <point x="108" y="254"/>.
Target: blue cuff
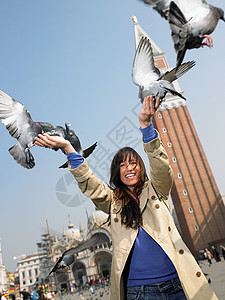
<point x="149" y="133"/>
<point x="75" y="159"/>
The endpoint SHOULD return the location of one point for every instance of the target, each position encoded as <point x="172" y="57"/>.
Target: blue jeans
<point x="168" y="290"/>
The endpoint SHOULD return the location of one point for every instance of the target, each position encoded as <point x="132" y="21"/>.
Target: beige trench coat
<point x="157" y="222"/>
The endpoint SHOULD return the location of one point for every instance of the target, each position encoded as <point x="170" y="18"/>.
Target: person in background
<point x="34" y="294"/>
<point x="25" y="294"/>
<point x="150" y="260"/>
<point x="208" y="256"/>
<point x="223" y="251"/>
<point x="215" y="254"/>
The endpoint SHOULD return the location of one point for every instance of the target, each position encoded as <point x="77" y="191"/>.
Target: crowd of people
<point x="214" y="253"/>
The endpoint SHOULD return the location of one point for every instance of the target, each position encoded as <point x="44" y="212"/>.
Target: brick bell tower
<point x="197" y="201"/>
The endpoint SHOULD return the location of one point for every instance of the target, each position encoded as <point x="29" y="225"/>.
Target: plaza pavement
<point x="214" y="272"/>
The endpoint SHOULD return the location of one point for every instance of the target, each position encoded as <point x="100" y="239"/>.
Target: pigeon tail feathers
<point x="174" y="92"/>
<point x="21" y="156"/>
<point x="89" y="150"/>
<point x="64" y="166"/>
<point x="85" y="154"/>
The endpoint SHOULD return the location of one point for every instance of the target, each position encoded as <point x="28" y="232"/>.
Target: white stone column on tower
<point x="3" y="281"/>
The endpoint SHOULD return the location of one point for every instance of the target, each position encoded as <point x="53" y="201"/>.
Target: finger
<point x="147" y="104"/>
<point x="157" y="103"/>
<point x="40" y="143"/>
<point x="43" y="141"/>
<point x="152" y="105"/>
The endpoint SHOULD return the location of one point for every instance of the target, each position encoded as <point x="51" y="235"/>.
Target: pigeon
<point x="69" y="256"/>
<point x="20" y="125"/>
<point x="191" y="21"/>
<point x="147" y="76"/>
<point x="70" y="135"/>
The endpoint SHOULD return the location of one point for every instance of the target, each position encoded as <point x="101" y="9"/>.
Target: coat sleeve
<point x="92" y="187"/>
<point x="161" y="173"/>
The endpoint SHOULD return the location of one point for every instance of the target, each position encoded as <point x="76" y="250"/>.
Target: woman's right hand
<point x="55" y="142"/>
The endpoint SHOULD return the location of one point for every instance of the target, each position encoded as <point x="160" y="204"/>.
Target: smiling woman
<point x="141" y="223"/>
<point x="128" y="175"/>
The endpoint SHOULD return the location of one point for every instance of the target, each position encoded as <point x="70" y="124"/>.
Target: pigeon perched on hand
<point x="69" y="256"/>
<point x="191" y="21"/>
<point x="20" y="125"/>
<point x="70" y="135"/>
<point x="147" y="76"/>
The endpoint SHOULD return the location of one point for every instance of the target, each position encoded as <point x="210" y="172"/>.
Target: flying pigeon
<point x="20" y="125"/>
<point x="147" y="76"/>
<point x="191" y="21"/>
<point x="69" y="256"/>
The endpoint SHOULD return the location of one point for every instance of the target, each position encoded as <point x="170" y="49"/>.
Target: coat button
<point x="157" y="206"/>
<point x="181" y="251"/>
<point x="169" y="228"/>
<point x="116" y="220"/>
<point x="198" y="274"/>
<point x="115" y="210"/>
<point x="153" y="197"/>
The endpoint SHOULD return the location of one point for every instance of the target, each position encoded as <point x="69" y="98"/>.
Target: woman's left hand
<point x="149" y="107"/>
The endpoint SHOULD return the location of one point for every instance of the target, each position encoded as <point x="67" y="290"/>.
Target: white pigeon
<point x="147" y="76"/>
<point x="191" y="21"/>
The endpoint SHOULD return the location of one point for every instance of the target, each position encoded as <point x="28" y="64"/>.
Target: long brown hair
<point x="130" y="211"/>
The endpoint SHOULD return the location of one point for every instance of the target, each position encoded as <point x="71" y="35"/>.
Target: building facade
<point x="92" y="263"/>
<point x="29" y="271"/>
<point x="197" y="201"/>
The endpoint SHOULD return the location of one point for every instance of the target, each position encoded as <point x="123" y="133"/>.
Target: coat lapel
<point x="144" y="197"/>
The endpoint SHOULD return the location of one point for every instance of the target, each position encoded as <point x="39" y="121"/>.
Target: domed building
<point x="93" y="262"/>
<point x="98" y="219"/>
<point x="73" y="233"/>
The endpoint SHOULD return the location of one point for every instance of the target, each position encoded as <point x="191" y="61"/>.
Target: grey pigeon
<point x="20" y="125"/>
<point x="69" y="256"/>
<point x="70" y="135"/>
<point x="191" y="21"/>
<point x="147" y="76"/>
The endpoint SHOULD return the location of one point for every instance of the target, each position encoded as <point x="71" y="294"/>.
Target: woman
<point x="150" y="260"/>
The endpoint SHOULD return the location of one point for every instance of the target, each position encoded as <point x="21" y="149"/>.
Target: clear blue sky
<point x="71" y="61"/>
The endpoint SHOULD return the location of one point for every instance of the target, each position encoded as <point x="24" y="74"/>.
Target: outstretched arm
<point x="160" y="171"/>
<point x="89" y="184"/>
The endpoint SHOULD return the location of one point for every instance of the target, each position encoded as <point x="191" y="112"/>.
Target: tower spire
<point x="0" y="251"/>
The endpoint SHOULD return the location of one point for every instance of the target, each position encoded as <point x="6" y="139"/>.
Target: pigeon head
<point x="220" y="13"/>
<point x="67" y="125"/>
<point x="72" y="137"/>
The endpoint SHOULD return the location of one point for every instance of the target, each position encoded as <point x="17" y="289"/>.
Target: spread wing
<point x="68" y="256"/>
<point x="144" y="71"/>
<point x="175" y="73"/>
<point x="188" y="7"/>
<point x="192" y="8"/>
<point x="14" y="115"/>
<point x="161" y="6"/>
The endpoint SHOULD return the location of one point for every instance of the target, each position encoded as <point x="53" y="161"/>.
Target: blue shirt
<point x="149" y="263"/>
